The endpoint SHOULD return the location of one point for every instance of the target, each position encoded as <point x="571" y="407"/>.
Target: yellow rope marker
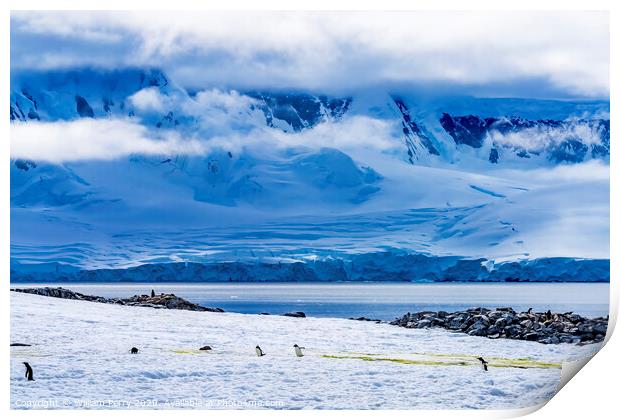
<point x="452" y="360"/>
<point x="190" y="352"/>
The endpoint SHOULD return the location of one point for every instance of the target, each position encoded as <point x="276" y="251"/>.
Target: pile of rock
<point x="59" y="292"/>
<point x="363" y="318"/>
<point x="165" y="300"/>
<point x="297" y="314"/>
<point x="161" y="301"/>
<point x="543" y="327"/>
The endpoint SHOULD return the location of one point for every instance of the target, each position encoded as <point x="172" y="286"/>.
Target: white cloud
<point x="93" y="139"/>
<point x="348" y="135"/>
<point x="539" y="138"/>
<point x="107" y="139"/>
<point x="337" y="50"/>
<point x="148" y="99"/>
<point x="219" y="112"/>
<point x="230" y="102"/>
<point x="358" y="132"/>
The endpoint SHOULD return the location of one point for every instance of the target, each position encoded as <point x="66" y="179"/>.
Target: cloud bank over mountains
<point x="213" y="121"/>
<point x="551" y="54"/>
<point x="305" y="138"/>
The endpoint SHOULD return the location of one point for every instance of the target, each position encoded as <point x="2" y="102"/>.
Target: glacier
<point x="371" y="185"/>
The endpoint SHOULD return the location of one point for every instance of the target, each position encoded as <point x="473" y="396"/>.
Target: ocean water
<point x="383" y="301"/>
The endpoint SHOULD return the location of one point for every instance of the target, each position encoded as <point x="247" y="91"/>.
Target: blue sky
<point x="541" y="54"/>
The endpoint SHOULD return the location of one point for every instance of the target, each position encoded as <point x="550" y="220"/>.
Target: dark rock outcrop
<point x="469" y="129"/>
<point x="25" y="164"/>
<point x="297" y="314"/>
<point x="472" y="130"/>
<point x="162" y="301"/>
<point x="413" y="132"/>
<point x="83" y="108"/>
<point x="363" y="318"/>
<point x="299" y="110"/>
<point x="543" y="327"/>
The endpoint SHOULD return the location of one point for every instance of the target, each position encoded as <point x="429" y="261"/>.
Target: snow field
<point x="80" y="353"/>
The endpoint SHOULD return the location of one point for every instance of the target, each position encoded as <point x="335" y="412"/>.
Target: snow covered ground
<point x="80" y="356"/>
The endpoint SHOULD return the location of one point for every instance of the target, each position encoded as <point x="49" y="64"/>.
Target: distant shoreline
<point x="384" y="301"/>
<point x="402" y="282"/>
<point x="504" y="322"/>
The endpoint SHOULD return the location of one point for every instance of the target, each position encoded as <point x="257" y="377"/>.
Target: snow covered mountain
<point x="289" y="177"/>
<point x="562" y="141"/>
<point x="571" y="132"/>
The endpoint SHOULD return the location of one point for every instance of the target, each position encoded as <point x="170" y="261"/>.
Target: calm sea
<point x="374" y="300"/>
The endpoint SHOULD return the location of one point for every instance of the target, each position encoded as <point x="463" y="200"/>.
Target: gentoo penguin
<point x="206" y="348"/>
<point x="298" y="350"/>
<point x="134" y="350"/>
<point x="484" y="363"/>
<point x="259" y="351"/>
<point x="28" y="371"/>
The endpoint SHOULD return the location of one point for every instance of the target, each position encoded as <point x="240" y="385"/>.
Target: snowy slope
<point x="464" y="215"/>
<point x="298" y="177"/>
<point x="71" y="367"/>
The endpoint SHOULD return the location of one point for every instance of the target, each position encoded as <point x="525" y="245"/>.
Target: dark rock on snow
<point x="543" y="327"/>
<point x="363" y="318"/>
<point x="163" y="300"/>
<point x="297" y="314"/>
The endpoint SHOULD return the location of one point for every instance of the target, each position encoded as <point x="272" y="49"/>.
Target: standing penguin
<point x="298" y="350"/>
<point x="28" y="371"/>
<point x="152" y="293"/>
<point x="484" y="363"/>
<point x="134" y="350"/>
<point x="259" y="351"/>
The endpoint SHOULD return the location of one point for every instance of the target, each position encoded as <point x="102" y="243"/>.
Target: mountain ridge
<point x="488" y="180"/>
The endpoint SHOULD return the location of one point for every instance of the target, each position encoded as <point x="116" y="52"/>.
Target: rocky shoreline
<point x="160" y="301"/>
<point x="542" y="327"/>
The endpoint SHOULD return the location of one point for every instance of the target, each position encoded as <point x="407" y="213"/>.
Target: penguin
<point x="529" y="311"/>
<point x="259" y="351"/>
<point x="206" y="348"/>
<point x="484" y="363"/>
<point x="298" y="350"/>
<point x="152" y="293"/>
<point x="28" y="371"/>
<point x="134" y="350"/>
